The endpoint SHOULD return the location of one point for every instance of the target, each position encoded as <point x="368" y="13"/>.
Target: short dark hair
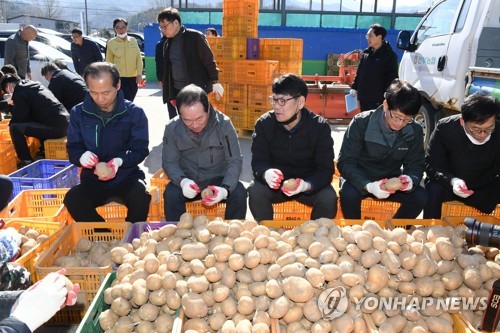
<point x="404" y="97"/>
<point x="120" y="19"/>
<point x="212" y="30"/>
<point x="290" y="84"/>
<point x="49" y="67"/>
<point x="9" y="69"/>
<point x="378" y="30"/>
<point x="190" y="95"/>
<point x="77" y="31"/>
<point x="9" y="78"/>
<point x="96" y="69"/>
<point x="478" y="108"/>
<point x="61" y="63"/>
<point x="170" y="14"/>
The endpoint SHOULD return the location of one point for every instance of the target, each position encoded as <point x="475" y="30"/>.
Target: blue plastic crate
<point x="44" y="174"/>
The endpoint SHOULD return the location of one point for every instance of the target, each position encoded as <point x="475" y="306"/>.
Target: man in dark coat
<point x="83" y="51"/>
<point x="69" y="88"/>
<point x="376" y="70"/>
<point x="17" y="50"/>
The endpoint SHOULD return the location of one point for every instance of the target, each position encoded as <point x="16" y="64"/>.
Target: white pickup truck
<point x="454" y="50"/>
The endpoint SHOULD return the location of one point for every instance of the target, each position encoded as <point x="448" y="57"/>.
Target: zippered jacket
<point x="126" y="55"/>
<point x="125" y="135"/>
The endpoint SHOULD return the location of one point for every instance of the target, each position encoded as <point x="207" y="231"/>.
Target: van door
<point x="424" y="68"/>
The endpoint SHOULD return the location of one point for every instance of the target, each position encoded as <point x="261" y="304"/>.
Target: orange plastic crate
<point x="239" y="26"/>
<point x="253" y="115"/>
<point x="38" y="205"/>
<point x="409" y="223"/>
<point x="55" y="149"/>
<point x="374" y="209"/>
<point x="228" y="47"/>
<point x="226" y="70"/>
<point x="246" y="8"/>
<point x="256" y="71"/>
<point x="8" y="162"/>
<point x="457" y="208"/>
<point x="236" y="94"/>
<point x="459" y="220"/>
<point x="294" y="67"/>
<point x="89" y="278"/>
<point x="282" y="49"/>
<point x="238" y="115"/>
<point x="258" y="96"/>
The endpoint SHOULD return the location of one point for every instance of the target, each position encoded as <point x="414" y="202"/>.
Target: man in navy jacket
<point x="83" y="51"/>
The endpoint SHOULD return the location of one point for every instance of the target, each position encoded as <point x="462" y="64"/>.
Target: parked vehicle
<point x="455" y="44"/>
<point x="47" y="38"/>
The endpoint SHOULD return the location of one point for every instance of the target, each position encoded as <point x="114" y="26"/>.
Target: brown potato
<point x="393" y="184"/>
<point x="102" y="170"/>
<point x="206" y="193"/>
<point x="290" y="184"/>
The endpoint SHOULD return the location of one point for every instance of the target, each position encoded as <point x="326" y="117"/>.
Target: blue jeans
<point x="262" y="198"/>
<point x="412" y="203"/>
<point x="175" y="201"/>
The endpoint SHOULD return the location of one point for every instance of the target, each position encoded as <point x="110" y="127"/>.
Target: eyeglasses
<point x="164" y="27"/>
<point x="477" y="132"/>
<point x="401" y="119"/>
<point x="368" y="36"/>
<point x="280" y="101"/>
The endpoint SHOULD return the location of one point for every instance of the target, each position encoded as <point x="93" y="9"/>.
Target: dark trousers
<point x="7" y="300"/>
<point x="129" y="87"/>
<point x="171" y="108"/>
<point x="83" y="199"/>
<point x="19" y="131"/>
<point x="368" y="105"/>
<point x="412" y="202"/>
<point x="175" y="201"/>
<point x="6" y="189"/>
<point x="262" y="198"/>
<point x="484" y="199"/>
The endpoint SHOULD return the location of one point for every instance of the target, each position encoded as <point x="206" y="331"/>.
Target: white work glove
<point x="41" y="301"/>
<point x="460" y="188"/>
<point x="374" y="188"/>
<point x="273" y="178"/>
<point x="407" y="183"/>
<point x="220" y="193"/>
<point x="189" y="188"/>
<point x="89" y="160"/>
<point x="302" y="186"/>
<point x="353" y="92"/>
<point x="218" y="89"/>
<point x="114" y="164"/>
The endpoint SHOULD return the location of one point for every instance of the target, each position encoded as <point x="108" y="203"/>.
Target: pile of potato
<point x="87" y="253"/>
<point x="239" y="276"/>
<point x="30" y="237"/>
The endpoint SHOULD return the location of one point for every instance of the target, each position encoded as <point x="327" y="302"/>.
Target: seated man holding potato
<point x="381" y="144"/>
<point x="292" y="154"/>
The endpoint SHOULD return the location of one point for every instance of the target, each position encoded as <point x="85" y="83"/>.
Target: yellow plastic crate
<point x="236" y="94"/>
<point x="459" y="220"/>
<point x="226" y="70"/>
<point x="89" y="278"/>
<point x="457" y="208"/>
<point x="256" y="71"/>
<point x="246" y="8"/>
<point x="239" y="26"/>
<point x="374" y="209"/>
<point x="238" y="115"/>
<point x="408" y="223"/>
<point x="258" y="96"/>
<point x="281" y="49"/>
<point x="55" y="149"/>
<point x="8" y="162"/>
<point x="294" y="67"/>
<point x="38" y="205"/>
<point x="253" y="115"/>
<point x="228" y="47"/>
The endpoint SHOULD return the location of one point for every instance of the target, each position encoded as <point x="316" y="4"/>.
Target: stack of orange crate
<point x="8" y="162"/>
<point x="288" y="51"/>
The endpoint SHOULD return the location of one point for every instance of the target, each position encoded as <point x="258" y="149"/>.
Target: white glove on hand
<point x="218" y="89"/>
<point x="189" y="188"/>
<point x="407" y="183"/>
<point x="220" y="193"/>
<point x="460" y="188"/>
<point x="374" y="188"/>
<point x="114" y="164"/>
<point x="89" y="160"/>
<point x="273" y="178"/>
<point x="302" y="186"/>
<point x="41" y="301"/>
<point x="353" y="92"/>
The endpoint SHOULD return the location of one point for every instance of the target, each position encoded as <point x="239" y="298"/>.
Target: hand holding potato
<point x="88" y="160"/>
<point x="300" y="186"/>
<point x="273" y="178"/>
<point x="407" y="183"/>
<point x="219" y="194"/>
<point x="189" y="188"/>
<point x="376" y="189"/>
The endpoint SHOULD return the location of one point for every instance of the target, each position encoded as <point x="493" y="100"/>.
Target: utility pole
<point x="4" y="13"/>
<point x="86" y="19"/>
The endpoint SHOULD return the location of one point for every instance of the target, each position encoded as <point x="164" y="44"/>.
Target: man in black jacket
<point x="376" y="70"/>
<point x="36" y="113"/>
<point x="69" y="88"/>
<point x="291" y="142"/>
<point x="83" y="51"/>
<point x="187" y="58"/>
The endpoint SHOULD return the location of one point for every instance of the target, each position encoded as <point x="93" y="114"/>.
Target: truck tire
<point x="426" y="117"/>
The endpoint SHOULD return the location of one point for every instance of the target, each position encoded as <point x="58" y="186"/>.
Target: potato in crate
<point x="44" y="174"/>
<point x="60" y="254"/>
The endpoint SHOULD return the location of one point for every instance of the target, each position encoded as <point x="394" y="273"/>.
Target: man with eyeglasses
<point x="291" y="142"/>
<point x="376" y="70"/>
<point x="187" y="58"/>
<point x="382" y="144"/>
<point x="463" y="159"/>
<point x="83" y="51"/>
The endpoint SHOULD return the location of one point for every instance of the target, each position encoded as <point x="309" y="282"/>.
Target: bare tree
<point x="160" y="3"/>
<point x="50" y="8"/>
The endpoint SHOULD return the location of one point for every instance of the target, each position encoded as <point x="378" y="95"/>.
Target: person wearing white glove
<point x="220" y="193"/>
<point x="463" y="159"/>
<point x="200" y="151"/>
<point x="302" y="186"/>
<point x="189" y="188"/>
<point x="113" y="130"/>
<point x="218" y="89"/>
<point x="273" y="178"/>
<point x="376" y="189"/>
<point x="407" y="183"/>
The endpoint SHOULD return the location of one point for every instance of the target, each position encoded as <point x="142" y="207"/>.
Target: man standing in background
<point x="83" y="51"/>
<point x="17" y="50"/>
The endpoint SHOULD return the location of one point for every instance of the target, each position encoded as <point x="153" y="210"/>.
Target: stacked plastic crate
<point x="8" y="162"/>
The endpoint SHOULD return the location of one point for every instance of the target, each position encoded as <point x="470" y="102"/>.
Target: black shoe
<point x="22" y="164"/>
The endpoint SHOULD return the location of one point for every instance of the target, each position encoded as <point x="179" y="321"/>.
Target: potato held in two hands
<point x="290" y="184"/>
<point x="392" y="185"/>
<point x="102" y="170"/>
<point x="207" y="192"/>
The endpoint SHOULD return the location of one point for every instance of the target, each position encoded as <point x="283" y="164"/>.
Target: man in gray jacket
<point x="201" y="150"/>
<point x="17" y="50"/>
